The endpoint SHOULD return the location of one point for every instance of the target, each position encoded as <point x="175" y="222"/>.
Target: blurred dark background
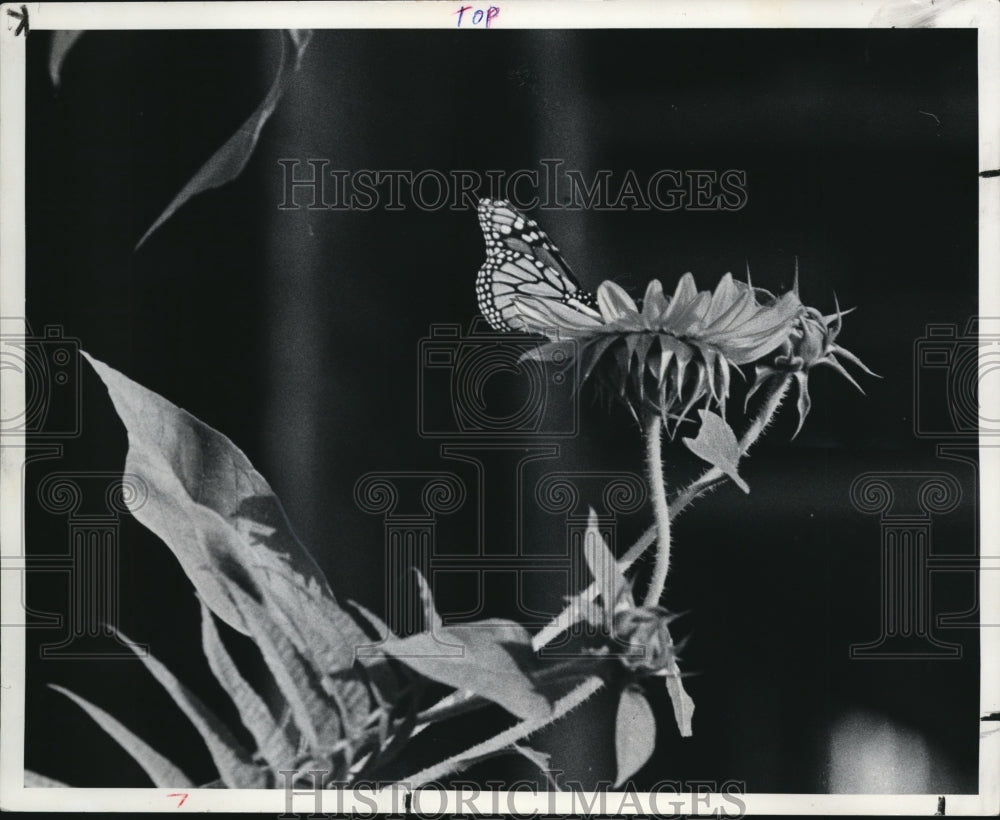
<point x="297" y="332"/>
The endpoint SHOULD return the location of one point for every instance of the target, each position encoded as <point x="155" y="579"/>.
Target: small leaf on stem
<point x="716" y="443"/>
<point x="487" y="657"/>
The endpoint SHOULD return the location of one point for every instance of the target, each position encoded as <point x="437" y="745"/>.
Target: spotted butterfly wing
<point x="521" y="261"/>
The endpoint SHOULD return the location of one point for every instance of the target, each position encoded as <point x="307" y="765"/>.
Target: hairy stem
<point x="714" y="476"/>
<point x="506" y="738"/>
<point x="661" y="510"/>
<point x="571" y="670"/>
<point x="709" y="479"/>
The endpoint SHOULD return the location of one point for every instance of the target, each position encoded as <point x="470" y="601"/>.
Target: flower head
<point x="811" y="342"/>
<point x="646" y="632"/>
<point x="671" y="351"/>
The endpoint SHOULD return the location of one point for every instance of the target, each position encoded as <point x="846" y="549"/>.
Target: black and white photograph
<point x="543" y="408"/>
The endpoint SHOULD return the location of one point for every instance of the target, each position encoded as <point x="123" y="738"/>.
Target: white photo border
<point x="983" y="15"/>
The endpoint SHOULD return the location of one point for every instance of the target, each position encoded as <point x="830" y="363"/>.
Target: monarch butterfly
<point x="521" y="261"/>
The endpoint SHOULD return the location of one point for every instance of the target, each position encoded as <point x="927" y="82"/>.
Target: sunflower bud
<point x="645" y="632"/>
<point x="812" y="341"/>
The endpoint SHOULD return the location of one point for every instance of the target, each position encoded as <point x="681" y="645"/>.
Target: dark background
<point x="296" y="334"/>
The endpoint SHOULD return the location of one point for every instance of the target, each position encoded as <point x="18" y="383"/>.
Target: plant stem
<point x="661" y="510"/>
<point x="709" y="479"/>
<point x="714" y="475"/>
<point x="506" y="738"/>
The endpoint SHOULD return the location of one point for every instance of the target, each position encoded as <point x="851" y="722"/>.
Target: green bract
<point x="812" y="342"/>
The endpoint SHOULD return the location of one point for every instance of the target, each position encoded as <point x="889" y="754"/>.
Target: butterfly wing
<point x="521" y="261"/>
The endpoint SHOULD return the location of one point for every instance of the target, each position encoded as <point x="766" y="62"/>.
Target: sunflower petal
<point x="742" y="310"/>
<point x="726" y="294"/>
<point x="653" y="304"/>
<point x="552" y="319"/>
<point x="684" y="294"/>
<point x="614" y="303"/>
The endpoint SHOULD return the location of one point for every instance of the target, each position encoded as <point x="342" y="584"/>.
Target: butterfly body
<point x="521" y="261"/>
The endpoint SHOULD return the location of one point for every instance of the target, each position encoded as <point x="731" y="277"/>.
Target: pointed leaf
<point x="271" y="741"/>
<point x="228" y="162"/>
<point x="601" y="562"/>
<point x="233" y="762"/>
<point x="224" y="524"/>
<point x="316" y="715"/>
<point x="716" y="443"/>
<point x="59" y="47"/>
<point x="680" y="700"/>
<point x="635" y="733"/>
<point x="327" y="641"/>
<point x="162" y="772"/>
<point x="486" y="657"/>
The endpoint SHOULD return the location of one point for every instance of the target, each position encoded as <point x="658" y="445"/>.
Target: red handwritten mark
<point x="182" y="795"/>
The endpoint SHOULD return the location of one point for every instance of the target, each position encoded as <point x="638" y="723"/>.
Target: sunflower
<point x="667" y="353"/>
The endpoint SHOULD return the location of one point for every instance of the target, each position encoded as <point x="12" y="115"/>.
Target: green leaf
<point x="271" y="741"/>
<point x="235" y="767"/>
<point x="716" y="443"/>
<point x="224" y="524"/>
<point x="635" y="733"/>
<point x="161" y="771"/>
<point x="487" y="658"/>
<point x="228" y="162"/>
<point x="59" y="47"/>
